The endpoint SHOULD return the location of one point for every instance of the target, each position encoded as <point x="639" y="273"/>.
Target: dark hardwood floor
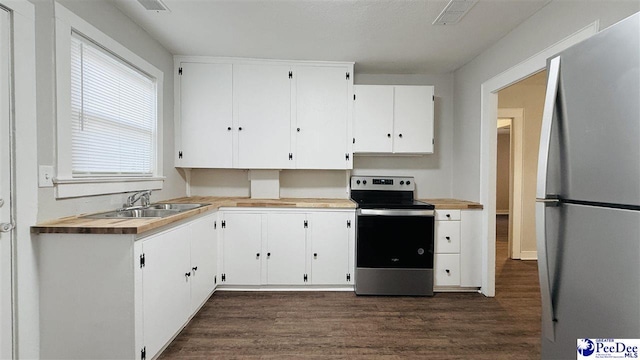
<point x="341" y="325"/>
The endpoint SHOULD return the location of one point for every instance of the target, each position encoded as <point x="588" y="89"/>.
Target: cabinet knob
<point x="229" y="128"/>
<point x="448" y="271"/>
<point x="195" y="268"/>
<point x="315" y="255"/>
<point x="240" y="128"/>
<point x="448" y="215"/>
<point x="448" y="238"/>
<point x="298" y="129"/>
<point x="257" y="255"/>
<point x="400" y="135"/>
<point x="187" y="274"/>
<point x="388" y="135"/>
<point x="268" y="254"/>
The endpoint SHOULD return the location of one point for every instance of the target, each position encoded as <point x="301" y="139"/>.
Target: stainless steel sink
<point x="134" y="213"/>
<point x="176" y="206"/>
<point x="153" y="211"/>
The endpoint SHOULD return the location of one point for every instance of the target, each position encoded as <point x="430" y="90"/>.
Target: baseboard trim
<point x="528" y="255"/>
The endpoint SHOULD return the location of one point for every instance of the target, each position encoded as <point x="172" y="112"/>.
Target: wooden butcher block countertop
<point x="80" y="225"/>
<point x="453" y="204"/>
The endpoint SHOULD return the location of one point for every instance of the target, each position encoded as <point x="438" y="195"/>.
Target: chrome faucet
<point x="143" y="196"/>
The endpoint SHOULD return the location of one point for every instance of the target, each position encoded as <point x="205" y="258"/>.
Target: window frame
<point x="67" y="185"/>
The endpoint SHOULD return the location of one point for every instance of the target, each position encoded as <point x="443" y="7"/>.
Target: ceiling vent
<point x="453" y="12"/>
<point x="153" y="5"/>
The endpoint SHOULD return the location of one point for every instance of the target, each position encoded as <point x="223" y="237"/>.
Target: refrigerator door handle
<point x="545" y="132"/>
<point x="548" y="329"/>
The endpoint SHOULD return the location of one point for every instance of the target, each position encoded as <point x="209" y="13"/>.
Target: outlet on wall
<point x="45" y="176"/>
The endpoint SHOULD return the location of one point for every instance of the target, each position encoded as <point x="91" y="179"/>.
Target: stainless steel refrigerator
<point x="588" y="192"/>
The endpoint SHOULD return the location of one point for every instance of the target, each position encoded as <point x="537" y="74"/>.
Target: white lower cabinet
<point x="123" y="296"/>
<point x="458" y="257"/>
<point x="287" y="247"/>
<point x="331" y="238"/>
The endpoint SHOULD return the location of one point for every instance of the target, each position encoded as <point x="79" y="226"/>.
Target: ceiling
<point x="381" y="36"/>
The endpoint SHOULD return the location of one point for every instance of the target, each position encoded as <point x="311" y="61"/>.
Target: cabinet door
<point x="165" y="287"/>
<point x="413" y="119"/>
<point x="329" y="247"/>
<point x="321" y="117"/>
<point x="373" y="118"/>
<point x="286" y="248"/>
<point x="262" y="98"/>
<point x="242" y="242"/>
<point x="205" y="115"/>
<point x="203" y="260"/>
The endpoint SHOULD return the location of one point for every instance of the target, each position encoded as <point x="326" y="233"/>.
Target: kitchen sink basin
<point x="134" y="213"/>
<point x="153" y="211"/>
<point x="176" y="206"/>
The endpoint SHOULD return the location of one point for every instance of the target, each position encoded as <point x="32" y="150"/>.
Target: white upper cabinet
<point x="261" y="114"/>
<point x="321" y="117"/>
<point x="373" y="124"/>
<point x="393" y="119"/>
<point x="205" y="115"/>
<point x="262" y="103"/>
<point x="413" y="119"/>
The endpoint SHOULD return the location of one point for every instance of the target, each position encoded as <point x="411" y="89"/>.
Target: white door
<point x="329" y="247"/>
<point x="242" y="248"/>
<point x="322" y="115"/>
<point x="262" y="100"/>
<point x="206" y="121"/>
<point x="413" y="119"/>
<point x="203" y="260"/>
<point x="373" y="118"/>
<point x="165" y="287"/>
<point x="6" y="320"/>
<point x="286" y="246"/>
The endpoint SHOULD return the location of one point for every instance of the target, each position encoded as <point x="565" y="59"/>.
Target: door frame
<point x="515" y="178"/>
<point x="7" y="239"/>
<point x="25" y="337"/>
<point x="489" y="140"/>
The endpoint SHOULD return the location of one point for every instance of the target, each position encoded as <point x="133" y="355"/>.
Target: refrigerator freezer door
<point x="594" y="273"/>
<point x="595" y="135"/>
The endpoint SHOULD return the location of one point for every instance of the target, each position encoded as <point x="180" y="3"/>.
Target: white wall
<point x="554" y="22"/>
<point x="503" y="192"/>
<point x="112" y="22"/>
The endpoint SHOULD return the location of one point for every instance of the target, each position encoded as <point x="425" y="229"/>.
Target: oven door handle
<point x="391" y="212"/>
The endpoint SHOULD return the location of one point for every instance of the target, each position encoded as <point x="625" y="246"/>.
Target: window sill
<point x="79" y="187"/>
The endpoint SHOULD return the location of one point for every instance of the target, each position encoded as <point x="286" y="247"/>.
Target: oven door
<point x="395" y="239"/>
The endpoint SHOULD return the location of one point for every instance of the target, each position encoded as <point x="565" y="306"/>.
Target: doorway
<point x="489" y="115"/>
<point x="520" y="108"/>
<point x="6" y="225"/>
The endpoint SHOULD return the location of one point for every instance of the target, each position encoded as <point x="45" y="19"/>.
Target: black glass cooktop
<point x="388" y="200"/>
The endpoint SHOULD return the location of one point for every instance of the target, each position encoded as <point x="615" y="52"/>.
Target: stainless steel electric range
<point x="394" y="237"/>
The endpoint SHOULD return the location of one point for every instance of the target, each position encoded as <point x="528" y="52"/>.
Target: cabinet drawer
<point x="447" y="215"/>
<point x="447" y="237"/>
<point x="447" y="270"/>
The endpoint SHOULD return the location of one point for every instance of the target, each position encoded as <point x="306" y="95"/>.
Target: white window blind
<point x="113" y="114"/>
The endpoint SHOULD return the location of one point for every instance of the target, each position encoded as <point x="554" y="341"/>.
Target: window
<point x="113" y="117"/>
<point x="109" y="118"/>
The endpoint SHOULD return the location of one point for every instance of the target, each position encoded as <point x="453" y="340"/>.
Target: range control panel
<point x="392" y="183"/>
